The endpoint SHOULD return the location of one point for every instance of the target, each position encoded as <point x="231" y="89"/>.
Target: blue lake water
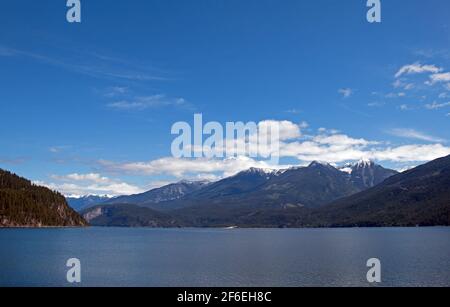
<point x="215" y="257"/>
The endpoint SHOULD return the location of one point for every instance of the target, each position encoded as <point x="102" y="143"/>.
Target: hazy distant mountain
<point x="166" y="193"/>
<point x="420" y="196"/>
<point x="84" y="202"/>
<point x="23" y="204"/>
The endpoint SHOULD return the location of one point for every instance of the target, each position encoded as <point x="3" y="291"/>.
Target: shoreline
<point x="42" y="227"/>
<point x="219" y="228"/>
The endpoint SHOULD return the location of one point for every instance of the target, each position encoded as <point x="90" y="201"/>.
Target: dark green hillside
<point x="23" y="204"/>
<point x="420" y="196"/>
<point x="125" y="215"/>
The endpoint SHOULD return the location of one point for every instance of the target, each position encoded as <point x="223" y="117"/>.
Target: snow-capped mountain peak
<point x="364" y="163"/>
<point x="262" y="171"/>
<point x="349" y="168"/>
<point x="346" y="169"/>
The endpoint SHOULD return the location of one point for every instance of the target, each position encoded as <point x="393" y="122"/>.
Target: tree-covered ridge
<point x="24" y="204"/>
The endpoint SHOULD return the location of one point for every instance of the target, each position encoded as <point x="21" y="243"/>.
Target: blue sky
<point x="88" y="108"/>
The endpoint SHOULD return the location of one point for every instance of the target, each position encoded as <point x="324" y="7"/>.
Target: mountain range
<point x="312" y="186"/>
<point x="166" y="193"/>
<point x="318" y="195"/>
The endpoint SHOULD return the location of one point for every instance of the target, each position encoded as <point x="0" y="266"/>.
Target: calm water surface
<point x="215" y="257"/>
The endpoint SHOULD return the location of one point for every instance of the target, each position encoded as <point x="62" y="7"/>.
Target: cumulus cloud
<point x="89" y="184"/>
<point x="417" y="68"/>
<point x="287" y="130"/>
<point x="256" y="140"/>
<point x="305" y="152"/>
<point x="328" y="145"/>
<point x="185" y="167"/>
<point x="411" y="153"/>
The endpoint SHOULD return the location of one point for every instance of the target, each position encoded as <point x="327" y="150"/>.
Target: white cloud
<point x="340" y="140"/>
<point x="417" y="68"/>
<point x="181" y="168"/>
<point x="395" y="95"/>
<point x="345" y="92"/>
<point x="435" y="105"/>
<point x="287" y="130"/>
<point x="443" y="77"/>
<point x="411" y="153"/>
<point x="89" y="184"/>
<point x="91" y="177"/>
<point x="414" y="134"/>
<point x="328" y="145"/>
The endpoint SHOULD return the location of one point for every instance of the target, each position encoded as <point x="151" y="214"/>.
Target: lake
<point x="219" y="257"/>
